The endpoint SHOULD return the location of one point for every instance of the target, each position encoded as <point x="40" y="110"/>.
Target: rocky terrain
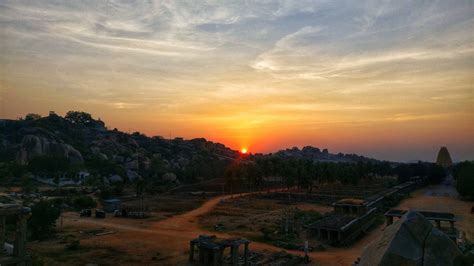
<point x="86" y="144"/>
<point x="319" y="155"/>
<point x="79" y="146"/>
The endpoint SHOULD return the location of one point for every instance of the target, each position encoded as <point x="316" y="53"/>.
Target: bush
<point x="84" y="202"/>
<point x="464" y="174"/>
<point x="43" y="218"/>
<point x="75" y="244"/>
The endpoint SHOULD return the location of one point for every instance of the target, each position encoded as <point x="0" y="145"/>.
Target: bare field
<point x="166" y="241"/>
<point x="263" y="219"/>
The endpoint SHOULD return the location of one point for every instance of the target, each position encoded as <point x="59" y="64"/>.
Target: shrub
<point x="84" y="202"/>
<point x="464" y="174"/>
<point x="43" y="218"/>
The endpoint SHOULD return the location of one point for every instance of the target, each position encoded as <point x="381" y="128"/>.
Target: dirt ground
<point x="249" y="216"/>
<point x="434" y="198"/>
<point x="166" y="242"/>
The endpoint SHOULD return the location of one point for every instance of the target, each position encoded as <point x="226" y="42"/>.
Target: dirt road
<point x="170" y="237"/>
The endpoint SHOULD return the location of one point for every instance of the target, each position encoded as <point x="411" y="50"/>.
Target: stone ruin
<point x="412" y="240"/>
<point x="211" y="250"/>
<point x="16" y="254"/>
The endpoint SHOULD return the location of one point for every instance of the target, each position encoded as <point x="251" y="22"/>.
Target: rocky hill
<point x="79" y="145"/>
<point x="319" y="155"/>
<point x="86" y="144"/>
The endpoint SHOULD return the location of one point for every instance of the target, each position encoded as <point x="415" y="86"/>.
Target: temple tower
<point x="444" y="159"/>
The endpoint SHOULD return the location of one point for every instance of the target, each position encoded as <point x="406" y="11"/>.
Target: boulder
<point x="171" y="177"/>
<point x="115" y="179"/>
<point x="34" y="146"/>
<point x="132" y="175"/>
<point x="132" y="165"/>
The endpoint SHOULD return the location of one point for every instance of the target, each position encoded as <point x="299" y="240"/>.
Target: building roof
<point x="112" y="200"/>
<point x="332" y="222"/>
<point x="440" y="216"/>
<point x="350" y="201"/>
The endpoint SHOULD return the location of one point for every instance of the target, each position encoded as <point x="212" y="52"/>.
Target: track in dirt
<point x="172" y="235"/>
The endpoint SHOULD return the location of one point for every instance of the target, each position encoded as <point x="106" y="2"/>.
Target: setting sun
<point x="243" y="150"/>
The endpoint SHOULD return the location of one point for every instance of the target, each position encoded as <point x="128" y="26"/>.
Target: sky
<point x="387" y="79"/>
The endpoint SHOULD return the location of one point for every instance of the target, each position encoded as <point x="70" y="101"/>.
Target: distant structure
<point x="211" y="250"/>
<point x="17" y="254"/>
<point x="110" y="205"/>
<point x="353" y="217"/>
<point x="444" y="159"/>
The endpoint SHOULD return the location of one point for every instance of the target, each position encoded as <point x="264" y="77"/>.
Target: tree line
<point x="306" y="173"/>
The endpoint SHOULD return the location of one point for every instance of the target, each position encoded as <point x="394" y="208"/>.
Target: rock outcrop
<point x="412" y="240"/>
<point x="34" y="146"/>
<point x="444" y="158"/>
<point x="315" y="154"/>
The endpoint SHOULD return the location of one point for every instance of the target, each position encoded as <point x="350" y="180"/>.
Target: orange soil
<point x="170" y="237"/>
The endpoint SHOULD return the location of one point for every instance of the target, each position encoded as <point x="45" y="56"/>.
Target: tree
<point x="48" y="165"/>
<point x="82" y="118"/>
<point x="43" y="218"/>
<point x="436" y="173"/>
<point x="32" y="117"/>
<point x="84" y="202"/>
<point x="464" y="174"/>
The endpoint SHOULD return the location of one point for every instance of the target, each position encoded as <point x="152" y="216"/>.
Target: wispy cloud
<point x="241" y="65"/>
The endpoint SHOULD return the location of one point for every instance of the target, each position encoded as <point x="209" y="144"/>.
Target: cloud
<point x="243" y="65"/>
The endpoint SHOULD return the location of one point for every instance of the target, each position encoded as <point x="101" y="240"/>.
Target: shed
<point x="111" y="205"/>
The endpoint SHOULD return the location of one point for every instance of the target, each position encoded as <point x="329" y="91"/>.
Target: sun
<point x="243" y="151"/>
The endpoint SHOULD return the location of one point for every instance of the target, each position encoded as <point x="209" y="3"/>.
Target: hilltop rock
<point x="411" y="241"/>
<point x="35" y="146"/>
<point x="170" y="177"/>
<point x="444" y="158"/>
<point x="315" y="154"/>
<point x="115" y="179"/>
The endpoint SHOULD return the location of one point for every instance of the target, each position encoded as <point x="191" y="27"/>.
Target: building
<point x="352" y="217"/>
<point x="18" y="254"/>
<point x="211" y="250"/>
<point x="110" y="205"/>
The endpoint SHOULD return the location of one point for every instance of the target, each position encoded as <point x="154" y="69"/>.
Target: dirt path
<point x="170" y="237"/>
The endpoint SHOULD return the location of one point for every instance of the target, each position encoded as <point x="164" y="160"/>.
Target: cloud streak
<point x="241" y="68"/>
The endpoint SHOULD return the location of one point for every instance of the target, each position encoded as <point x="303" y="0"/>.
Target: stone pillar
<point x="234" y="251"/>
<point x="2" y="233"/>
<point x="438" y="224"/>
<point x="191" y="251"/>
<point x="389" y="220"/>
<point x="201" y="255"/>
<point x="339" y="236"/>
<point x="206" y="256"/>
<point x="19" y="248"/>
<point x="324" y="234"/>
<point x="246" y="254"/>
<point x="216" y="257"/>
<point x="329" y="235"/>
<point x="451" y="225"/>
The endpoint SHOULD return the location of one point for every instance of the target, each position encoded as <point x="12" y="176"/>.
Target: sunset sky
<point x="386" y="79"/>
